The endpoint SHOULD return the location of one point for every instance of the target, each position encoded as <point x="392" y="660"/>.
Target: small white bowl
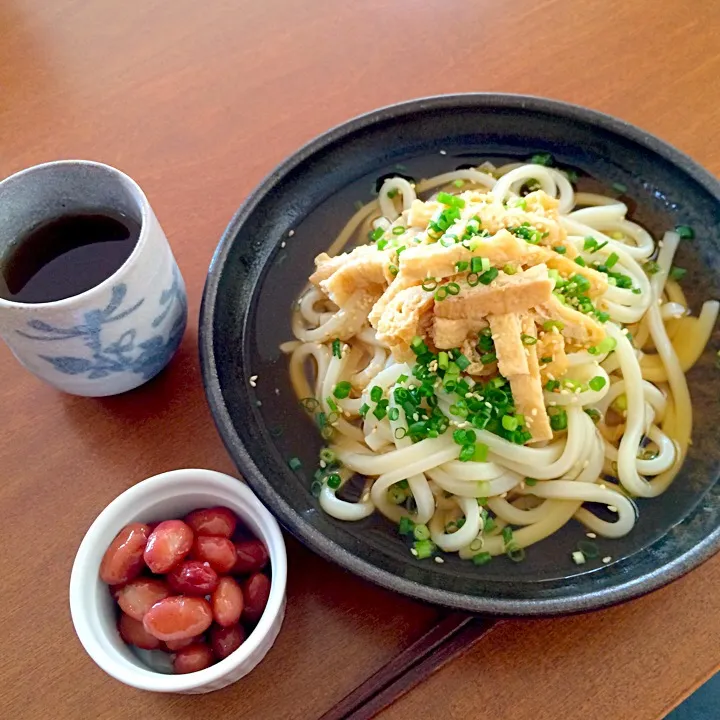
<point x="171" y="495"/>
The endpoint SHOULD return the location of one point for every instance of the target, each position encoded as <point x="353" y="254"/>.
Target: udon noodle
<point x="496" y="359"/>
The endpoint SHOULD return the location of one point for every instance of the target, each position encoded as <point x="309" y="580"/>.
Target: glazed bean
<point x="167" y="545"/>
<point x="227" y="602"/>
<point x="123" y="560"/>
<point x="218" y="551"/>
<point x="252" y="556"/>
<point x="193" y="577"/>
<point x="138" y="596"/>
<point x="177" y="618"/>
<point x="256" y="591"/>
<point x="212" y="521"/>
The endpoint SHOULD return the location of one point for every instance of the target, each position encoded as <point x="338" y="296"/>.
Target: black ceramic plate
<point x="258" y="270"/>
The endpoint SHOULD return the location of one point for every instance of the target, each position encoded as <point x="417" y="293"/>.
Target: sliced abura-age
<point x="365" y="268"/>
<point x="578" y="328"/>
<point x="505" y="295"/>
<point x="437" y="261"/>
<point x="553" y="358"/>
<point x="406" y="315"/>
<point x="518" y="362"/>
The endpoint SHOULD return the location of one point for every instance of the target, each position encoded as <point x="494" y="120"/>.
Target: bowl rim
<point x="585" y="600"/>
<point x="84" y="573"/>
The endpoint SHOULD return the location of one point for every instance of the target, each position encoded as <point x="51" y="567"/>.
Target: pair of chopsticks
<point x="453" y="635"/>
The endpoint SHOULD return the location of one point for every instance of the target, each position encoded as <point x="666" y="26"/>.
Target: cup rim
<point x="114" y="516"/>
<point x="145" y="215"/>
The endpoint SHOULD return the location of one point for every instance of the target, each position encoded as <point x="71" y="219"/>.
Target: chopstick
<point x="452" y="636"/>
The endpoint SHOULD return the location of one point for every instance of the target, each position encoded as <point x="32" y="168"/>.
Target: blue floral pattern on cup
<point x="128" y="353"/>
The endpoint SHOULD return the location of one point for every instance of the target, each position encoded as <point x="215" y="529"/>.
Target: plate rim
<point x="327" y="548"/>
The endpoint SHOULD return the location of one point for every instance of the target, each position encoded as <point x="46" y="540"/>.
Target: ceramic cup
<point x="94" y="613"/>
<point x="118" y="334"/>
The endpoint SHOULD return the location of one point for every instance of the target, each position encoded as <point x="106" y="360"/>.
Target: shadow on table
<point x="703" y="704"/>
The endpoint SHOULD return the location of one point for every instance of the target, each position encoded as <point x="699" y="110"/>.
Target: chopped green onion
<point x="342" y="390"/>
<point x="462" y="265"/>
<point x="328" y="456"/>
<point x="462" y="362"/>
<point x="593" y="414"/>
<point x="441" y="293"/>
<point x="579" y="261"/>
<point x="488" y="358"/>
<point x="406" y="525"/>
<point x="473" y="279"/>
<point x="507" y="534"/>
<point x="612" y="259"/>
<point x="316" y="488"/>
<point x="452" y="288"/>
<point x="528" y="339"/>
<point x="310" y="404"/>
<point x="332" y="404"/>
<point x="424" y="549"/>
<point x="376" y="234"/>
<point x="530" y="482"/>
<point x="590" y="243"/>
<point x="393" y="413"/>
<point x="458" y="183"/>
<point x="677" y="273"/>
<point x="363" y="411"/>
<point x="376" y="393"/>
<point x="451" y="200"/>
<point x="488" y="276"/>
<point x="400" y="433"/>
<point x="429" y="284"/>
<point x="295" y="463"/>
<point x="606" y="345"/>
<point x="482" y="558"/>
<point x="548" y="325"/>
<point x="392" y="193"/>
<point x="597" y="383"/>
<point x="578" y="558"/>
<point x="399" y="230"/>
<point x="380" y="410"/>
<point x="552" y="385"/>
<point x="685" y="232"/>
<point x="509" y="269"/>
<point x="619" y="404"/>
<point x="619" y="187"/>
<point x="588" y="549"/>
<point x="336" y="348"/>
<point x="544" y="158"/>
<point x="481" y="452"/>
<point x="558" y="419"/>
<point x="393" y="269"/>
<point x="334" y="481"/>
<point x="560" y="249"/>
<point x="443" y="360"/>
<point x="515" y="552"/>
<point x="651" y="267"/>
<point x="509" y="422"/>
<point x="476" y="264"/>
<point x="396" y="495"/>
<point x="421" y="532"/>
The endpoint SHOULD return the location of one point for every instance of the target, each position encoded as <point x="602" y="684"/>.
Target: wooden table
<point x="197" y="101"/>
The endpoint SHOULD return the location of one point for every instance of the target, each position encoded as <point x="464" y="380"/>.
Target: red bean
<point x="123" y="560"/>
<point x="256" y="591"/>
<point x="212" y="521"/>
<point x="193" y="577"/>
<point x="175" y="645"/>
<point x="251" y="557"/>
<point x="167" y="545"/>
<point x="138" y="596"/>
<point x="176" y="618"/>
<point x="226" y="640"/>
<point x="227" y="602"/>
<point x="193" y="658"/>
<point x="134" y="633"/>
<point x="218" y="551"/>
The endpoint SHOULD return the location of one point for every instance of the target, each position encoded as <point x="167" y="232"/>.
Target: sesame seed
<point x="291" y="233"/>
<point x="607" y="559"/>
<point x="277" y="391"/>
<point x="323" y="464"/>
<point x="413" y="551"/>
<point x="443" y="152"/>
<point x="282" y="244"/>
<point x="253" y="380"/>
<point x="612" y="508"/>
<point x="439" y="560"/>
<point x="534" y="412"/>
<point x="591" y="535"/>
<point x="258" y="403"/>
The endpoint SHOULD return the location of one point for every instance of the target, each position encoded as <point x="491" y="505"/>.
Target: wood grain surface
<point x="197" y="101"/>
